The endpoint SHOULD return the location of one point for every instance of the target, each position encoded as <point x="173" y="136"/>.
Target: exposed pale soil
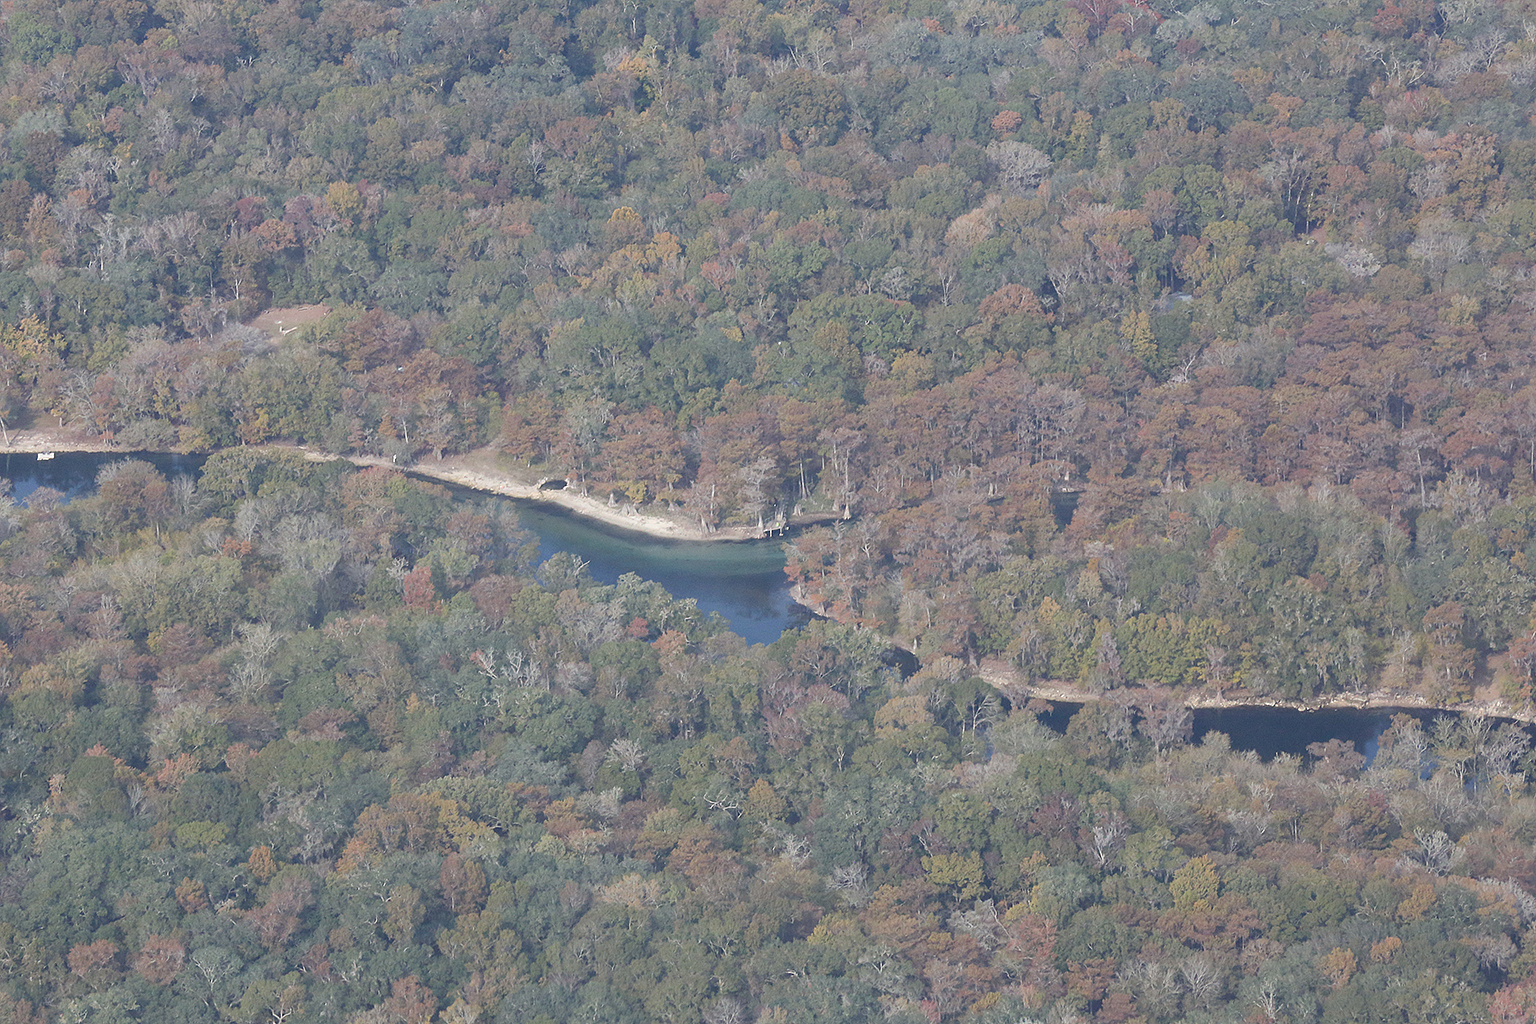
<point x="1011" y="683"/>
<point x="480" y="470"/>
<point x="280" y="322"/>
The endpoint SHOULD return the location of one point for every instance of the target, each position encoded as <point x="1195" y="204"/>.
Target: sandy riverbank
<point x="1012" y="684"/>
<point x="478" y="470"/>
<point x="28" y="441"/>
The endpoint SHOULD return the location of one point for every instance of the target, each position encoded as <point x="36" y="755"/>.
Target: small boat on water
<point x="45" y="456"/>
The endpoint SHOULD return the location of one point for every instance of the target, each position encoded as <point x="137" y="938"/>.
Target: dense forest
<point x="1149" y="349"/>
<point x="297" y="742"/>
<point x="1135" y="343"/>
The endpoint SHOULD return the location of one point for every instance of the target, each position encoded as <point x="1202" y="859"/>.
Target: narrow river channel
<point x="744" y="582"/>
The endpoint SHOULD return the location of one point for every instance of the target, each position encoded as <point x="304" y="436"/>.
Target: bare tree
<point x="725" y="1010"/>
<point x="1201" y="978"/>
<point x="1020" y="166"/>
<point x="1441" y="244"/>
<point x="1437" y="851"/>
<point x="627" y="754"/>
<point x="1267" y="1000"/>
<point x="1165" y="721"/>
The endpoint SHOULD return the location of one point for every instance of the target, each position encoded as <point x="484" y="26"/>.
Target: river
<point x="1269" y="731"/>
<point x="744" y="582"/>
<point x="74" y="473"/>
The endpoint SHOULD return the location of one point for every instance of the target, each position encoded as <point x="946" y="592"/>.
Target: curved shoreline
<point x="474" y="471"/>
<point x="1011" y="684"/>
<point x="469" y="471"/>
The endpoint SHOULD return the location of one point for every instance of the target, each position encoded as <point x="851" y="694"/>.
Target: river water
<point x="1271" y="731"/>
<point x="74" y="473"/>
<point x="744" y="582"/>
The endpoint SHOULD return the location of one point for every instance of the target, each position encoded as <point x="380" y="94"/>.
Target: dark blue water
<point x="744" y="582"/>
<point x="1271" y="731"/>
<point x="74" y="473"/>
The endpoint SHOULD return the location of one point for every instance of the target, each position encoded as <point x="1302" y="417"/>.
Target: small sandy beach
<point x="26" y="441"/>
<point x="479" y="470"/>
<point x="1012" y="684"/>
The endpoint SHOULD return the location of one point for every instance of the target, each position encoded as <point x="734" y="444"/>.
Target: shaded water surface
<point x="744" y="582"/>
<point x="1271" y="731"/>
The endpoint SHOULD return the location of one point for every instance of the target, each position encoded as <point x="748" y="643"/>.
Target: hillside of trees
<point x="296" y="742"/>
<point x="1150" y="347"/>
<point x="1237" y="294"/>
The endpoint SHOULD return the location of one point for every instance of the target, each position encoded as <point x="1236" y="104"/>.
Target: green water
<point x="744" y="582"/>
